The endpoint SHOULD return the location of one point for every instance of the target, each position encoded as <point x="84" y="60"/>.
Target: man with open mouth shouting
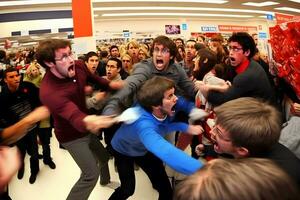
<point x="250" y="81"/>
<point x="248" y="127"/>
<point x="161" y="63"/>
<point x="62" y="91"/>
<point x="163" y="52"/>
<point x="143" y="141"/>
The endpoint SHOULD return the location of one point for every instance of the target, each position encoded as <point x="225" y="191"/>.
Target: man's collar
<point x="242" y="67"/>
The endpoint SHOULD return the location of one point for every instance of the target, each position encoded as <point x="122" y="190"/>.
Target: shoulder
<point x="28" y="85"/>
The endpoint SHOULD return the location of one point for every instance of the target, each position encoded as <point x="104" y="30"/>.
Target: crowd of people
<point x="222" y="99"/>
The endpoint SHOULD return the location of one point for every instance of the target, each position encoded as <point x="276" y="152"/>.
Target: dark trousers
<point x="151" y="165"/>
<point x="45" y="135"/>
<point x="29" y="144"/>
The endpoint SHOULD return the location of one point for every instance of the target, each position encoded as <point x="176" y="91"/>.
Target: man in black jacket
<point x="17" y="99"/>
<point x="251" y="80"/>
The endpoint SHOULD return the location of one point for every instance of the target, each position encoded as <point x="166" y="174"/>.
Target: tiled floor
<point x="56" y="184"/>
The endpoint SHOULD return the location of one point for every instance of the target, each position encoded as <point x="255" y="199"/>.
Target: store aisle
<point x="56" y="184"/>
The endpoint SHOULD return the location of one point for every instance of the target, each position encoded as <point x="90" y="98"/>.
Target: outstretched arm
<point x="14" y="132"/>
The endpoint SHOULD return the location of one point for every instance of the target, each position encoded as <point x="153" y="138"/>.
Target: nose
<point x="175" y="98"/>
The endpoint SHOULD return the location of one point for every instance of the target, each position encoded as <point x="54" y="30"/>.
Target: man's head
<point x="179" y="41"/>
<point x="114" y="51"/>
<point x="157" y="95"/>
<point x="246" y="127"/>
<point x="247" y="179"/>
<point x="113" y="68"/>
<point x="163" y="51"/>
<point x="190" y="50"/>
<point x="92" y="61"/>
<point x="56" y="55"/>
<point x="241" y="47"/>
<point x="12" y="78"/>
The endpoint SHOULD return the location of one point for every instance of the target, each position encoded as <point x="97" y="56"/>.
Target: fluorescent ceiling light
<point x="262" y="4"/>
<point x="297" y="1"/>
<point x="32" y="2"/>
<point x="288" y="9"/>
<point x="173" y="14"/>
<point x="169" y="1"/>
<point x="181" y="8"/>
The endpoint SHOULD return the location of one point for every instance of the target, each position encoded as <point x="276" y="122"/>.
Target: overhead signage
<point x="233" y="28"/>
<point x="281" y="18"/>
<point x="209" y="29"/>
<point x="184" y="27"/>
<point x="269" y="17"/>
<point x="126" y="33"/>
<point x="262" y="35"/>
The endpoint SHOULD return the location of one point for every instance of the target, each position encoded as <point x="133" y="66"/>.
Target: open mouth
<point x="159" y="61"/>
<point x="70" y="68"/>
<point x="173" y="109"/>
<point x="232" y="59"/>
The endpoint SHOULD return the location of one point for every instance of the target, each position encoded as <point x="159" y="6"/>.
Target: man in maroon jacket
<point x="62" y="91"/>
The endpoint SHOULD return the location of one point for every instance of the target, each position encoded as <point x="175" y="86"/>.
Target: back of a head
<point x="234" y="179"/>
<point x="245" y="40"/>
<point x="207" y="60"/>
<point x="152" y="91"/>
<point x="199" y="46"/>
<point x="251" y="123"/>
<point x="103" y="54"/>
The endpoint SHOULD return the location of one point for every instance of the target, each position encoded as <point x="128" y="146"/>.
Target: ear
<point x="171" y="57"/>
<point x="50" y="64"/>
<point x="242" y="152"/>
<point x="247" y="53"/>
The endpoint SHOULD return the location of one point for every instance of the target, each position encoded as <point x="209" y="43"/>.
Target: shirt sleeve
<point x="168" y="153"/>
<point x="140" y="74"/>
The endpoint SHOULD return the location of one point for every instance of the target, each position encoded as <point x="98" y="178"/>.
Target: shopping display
<point x="284" y="39"/>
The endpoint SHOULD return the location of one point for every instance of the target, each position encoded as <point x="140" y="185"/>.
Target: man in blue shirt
<point x="143" y="141"/>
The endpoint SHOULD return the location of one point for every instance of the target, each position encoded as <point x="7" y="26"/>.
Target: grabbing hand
<point x="295" y="109"/>
<point x="199" y="149"/>
<point x="197" y="114"/>
<point x="195" y="130"/>
<point x="100" y="96"/>
<point x="94" y="123"/>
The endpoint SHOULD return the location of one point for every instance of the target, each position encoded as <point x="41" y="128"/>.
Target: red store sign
<point x="231" y="28"/>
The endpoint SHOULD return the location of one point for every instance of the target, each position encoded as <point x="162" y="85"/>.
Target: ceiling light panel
<point x="261" y="4"/>
<point x="180" y="8"/>
<point x="288" y="9"/>
<point x="297" y="1"/>
<point x="168" y="1"/>
<point x="173" y="14"/>
<point x="32" y="2"/>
